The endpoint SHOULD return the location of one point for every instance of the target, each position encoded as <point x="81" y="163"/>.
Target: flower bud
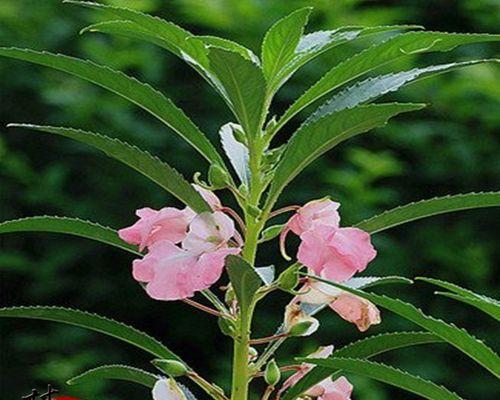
<point x="304" y="328"/>
<point x="270" y="233"/>
<point x="226" y="326"/>
<point x="171" y="367"/>
<point x="217" y="177"/>
<point x="272" y="374"/>
<point x="289" y="278"/>
<point x="253" y="210"/>
<point x="252" y="354"/>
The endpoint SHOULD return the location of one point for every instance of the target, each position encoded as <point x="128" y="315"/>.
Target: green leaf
<point x="484" y="303"/>
<point x="93" y="322"/>
<point x="427" y="208"/>
<point x="116" y="372"/>
<point x="147" y="27"/>
<point x="127" y="87"/>
<point x="457" y="337"/>
<point x="364" y="348"/>
<point x="143" y="162"/>
<point x="236" y="151"/>
<point x="387" y="374"/>
<point x="245" y="280"/>
<point x="372" y="88"/>
<point x="312" y="140"/>
<point x="244" y="85"/>
<point x="281" y="41"/>
<point x="316" y="43"/>
<point x="230" y="46"/>
<point x="365" y="282"/>
<point x="378" y="55"/>
<point x="71" y="226"/>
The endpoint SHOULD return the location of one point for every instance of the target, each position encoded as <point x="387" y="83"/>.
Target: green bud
<point x="229" y="297"/>
<point x="239" y="134"/>
<point x="171" y="367"/>
<point x="226" y="326"/>
<point x="217" y="177"/>
<point x="252" y="353"/>
<point x="273" y="374"/>
<point x="301" y="328"/>
<point x="271" y="232"/>
<point x="289" y="278"/>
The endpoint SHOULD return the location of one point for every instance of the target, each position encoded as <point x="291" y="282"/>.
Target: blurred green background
<point x="452" y="147"/>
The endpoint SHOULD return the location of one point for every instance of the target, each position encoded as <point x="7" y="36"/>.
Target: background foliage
<point x="451" y="147"/>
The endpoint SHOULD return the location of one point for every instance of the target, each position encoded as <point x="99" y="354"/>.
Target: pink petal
<point x="210" y="197"/>
<point x="314" y="213"/>
<point x="208" y="231"/>
<point x="340" y="389"/>
<point x="354" y="247"/>
<point x="356" y="310"/>
<point x="210" y="266"/>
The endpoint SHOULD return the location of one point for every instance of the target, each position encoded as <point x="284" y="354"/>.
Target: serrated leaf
<point x="378" y="55"/>
<point x="93" y="322"/>
<point x="245" y="280"/>
<point x="316" y="43"/>
<point x="390" y="375"/>
<point x="280" y="42"/>
<point x="143" y="162"/>
<point x="457" y="337"/>
<point x="236" y="152"/>
<point x="244" y="86"/>
<point x="127" y="87"/>
<point x="116" y="372"/>
<point x="72" y="226"/>
<point x="230" y="46"/>
<point x="147" y="27"/>
<point x="364" y="348"/>
<point x="426" y="208"/>
<point x="312" y="140"/>
<point x="372" y="88"/>
<point x="484" y="303"/>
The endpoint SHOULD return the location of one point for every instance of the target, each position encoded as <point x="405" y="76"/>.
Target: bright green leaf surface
<point x="116" y="372"/>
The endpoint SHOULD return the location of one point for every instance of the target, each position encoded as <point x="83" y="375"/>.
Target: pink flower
<point x="309" y="216"/>
<point x="350" y="307"/>
<point x="173" y="273"/>
<point x="322" y="352"/>
<point x="357" y="310"/>
<point x="169" y="223"/>
<point x="208" y="231"/>
<point x="335" y="253"/>
<point x="340" y="389"/>
<point x="155" y="225"/>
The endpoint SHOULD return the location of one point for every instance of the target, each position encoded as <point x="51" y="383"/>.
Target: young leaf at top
<point x="372" y="88"/>
<point x="484" y="303"/>
<point x="314" y="139"/>
<point x="93" y="322"/>
<point x="364" y="348"/>
<point x="245" y="280"/>
<point x="427" y="208"/>
<point x="229" y="45"/>
<point x="71" y="226"/>
<point x="459" y="338"/>
<point x="127" y="87"/>
<point x="116" y="372"/>
<point x="244" y="85"/>
<point x="143" y="162"/>
<point x="387" y="374"/>
<point x="377" y="56"/>
<point x="280" y="42"/>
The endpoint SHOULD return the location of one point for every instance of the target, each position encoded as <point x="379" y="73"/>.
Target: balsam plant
<point x="181" y="253"/>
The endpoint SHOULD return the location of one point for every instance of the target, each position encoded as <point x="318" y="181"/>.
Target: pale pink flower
<point x="335" y="253"/>
<point x="357" y="310"/>
<point x="322" y="352"/>
<point x="340" y="389"/>
<point x="172" y="273"/>
<point x="307" y="217"/>
<point x="167" y="389"/>
<point x="350" y="307"/>
<point x="208" y="232"/>
<point x="169" y="223"/>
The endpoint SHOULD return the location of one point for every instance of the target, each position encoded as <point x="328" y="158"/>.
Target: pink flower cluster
<point x="333" y="253"/>
<point x="329" y="389"/>
<point x="186" y="251"/>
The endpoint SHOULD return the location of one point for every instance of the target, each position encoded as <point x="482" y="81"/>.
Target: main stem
<point x="241" y="373"/>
